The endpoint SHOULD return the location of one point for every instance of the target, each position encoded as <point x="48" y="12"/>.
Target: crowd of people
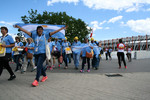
<point x="33" y="52"/>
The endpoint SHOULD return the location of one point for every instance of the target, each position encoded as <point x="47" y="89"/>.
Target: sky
<point x="109" y="19"/>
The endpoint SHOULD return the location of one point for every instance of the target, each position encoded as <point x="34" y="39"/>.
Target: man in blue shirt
<point x="7" y="42"/>
<point x="76" y="54"/>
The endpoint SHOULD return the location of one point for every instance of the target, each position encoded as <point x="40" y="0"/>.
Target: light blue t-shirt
<point x="8" y="40"/>
<point x="20" y="44"/>
<point x="51" y="45"/>
<point x="57" y="46"/>
<point x="30" y="45"/>
<point x="86" y="48"/>
<point x="94" y="44"/>
<point x="78" y="43"/>
<point x="64" y="45"/>
<point x="40" y="42"/>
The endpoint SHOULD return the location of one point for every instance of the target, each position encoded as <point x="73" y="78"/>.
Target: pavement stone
<point x="70" y="84"/>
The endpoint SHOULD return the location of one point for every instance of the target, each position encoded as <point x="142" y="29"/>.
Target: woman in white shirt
<point x="120" y="53"/>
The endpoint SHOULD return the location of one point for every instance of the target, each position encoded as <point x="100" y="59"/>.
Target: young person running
<point x="40" y="51"/>
<point x="120" y="53"/>
<point x="6" y="42"/>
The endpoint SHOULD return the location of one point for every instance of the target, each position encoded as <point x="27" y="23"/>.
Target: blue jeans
<point x="76" y="58"/>
<point x="65" y="58"/>
<point x="16" y="60"/>
<point x="40" y="58"/>
<point x="95" y="62"/>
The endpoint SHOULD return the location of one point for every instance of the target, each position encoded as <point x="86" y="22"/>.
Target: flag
<point x="91" y="33"/>
<point x="47" y="28"/>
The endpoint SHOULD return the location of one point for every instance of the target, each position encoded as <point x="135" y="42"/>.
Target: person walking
<point x="87" y="47"/>
<point x="129" y="49"/>
<point x="18" y="54"/>
<point x="76" y="54"/>
<point x="65" y="55"/>
<point x="40" y="50"/>
<point x="7" y="42"/>
<point x="29" y="55"/>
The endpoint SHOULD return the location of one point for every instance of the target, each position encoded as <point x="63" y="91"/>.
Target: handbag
<point x="29" y="55"/>
<point x="2" y="51"/>
<point x="89" y="55"/>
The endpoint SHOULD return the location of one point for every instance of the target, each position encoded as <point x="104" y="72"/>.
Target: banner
<point x="47" y="29"/>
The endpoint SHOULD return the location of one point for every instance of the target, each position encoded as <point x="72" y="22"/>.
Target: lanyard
<point x="16" y="44"/>
<point x="38" y="39"/>
<point x="1" y="40"/>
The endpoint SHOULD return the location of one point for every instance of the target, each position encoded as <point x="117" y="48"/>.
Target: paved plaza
<point x="70" y="84"/>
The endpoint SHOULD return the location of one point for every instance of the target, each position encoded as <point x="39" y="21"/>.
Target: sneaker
<point x="76" y="68"/>
<point x="12" y="77"/>
<point x="35" y="83"/>
<point x="81" y="71"/>
<point x="59" y="65"/>
<point x="33" y="69"/>
<point x="119" y="67"/>
<point x="51" y="68"/>
<point x="125" y="67"/>
<point x="96" y="68"/>
<point x="65" y="67"/>
<point x="22" y="72"/>
<point x="88" y="70"/>
<point x="44" y="78"/>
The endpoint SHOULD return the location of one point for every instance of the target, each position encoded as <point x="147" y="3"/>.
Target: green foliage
<point x="76" y="27"/>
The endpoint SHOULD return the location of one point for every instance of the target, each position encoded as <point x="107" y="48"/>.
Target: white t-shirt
<point x="121" y="47"/>
<point x="129" y="50"/>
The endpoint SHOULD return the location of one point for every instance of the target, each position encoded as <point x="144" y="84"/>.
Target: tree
<point x="77" y="27"/>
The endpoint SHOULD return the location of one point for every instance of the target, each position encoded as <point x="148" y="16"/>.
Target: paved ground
<point x="71" y="85"/>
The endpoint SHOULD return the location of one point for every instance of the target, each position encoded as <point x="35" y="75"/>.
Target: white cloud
<point x="96" y="25"/>
<point x="106" y="28"/>
<point x="148" y="9"/>
<point x="119" y="5"/>
<point x="140" y="26"/>
<point x="51" y="2"/>
<point x="101" y="23"/>
<point x="113" y="20"/>
<point x="7" y="23"/>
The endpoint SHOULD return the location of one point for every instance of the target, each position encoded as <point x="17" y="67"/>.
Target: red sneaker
<point x="125" y="67"/>
<point x="44" y="78"/>
<point x="51" y="68"/>
<point x="35" y="83"/>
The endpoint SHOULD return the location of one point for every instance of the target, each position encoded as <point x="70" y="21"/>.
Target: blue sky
<point x="109" y="19"/>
